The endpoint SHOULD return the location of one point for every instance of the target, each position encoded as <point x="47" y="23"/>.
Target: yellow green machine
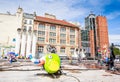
<point x="52" y="63"/>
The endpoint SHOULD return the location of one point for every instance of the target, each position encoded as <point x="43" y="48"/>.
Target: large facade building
<point x="8" y="25"/>
<point x="34" y="33"/>
<point x="25" y="43"/>
<point x="85" y="43"/>
<point x="37" y="32"/>
<point x="97" y="29"/>
<point x="17" y="33"/>
<point x="63" y="35"/>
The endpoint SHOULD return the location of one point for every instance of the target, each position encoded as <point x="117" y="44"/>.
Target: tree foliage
<point x="116" y="51"/>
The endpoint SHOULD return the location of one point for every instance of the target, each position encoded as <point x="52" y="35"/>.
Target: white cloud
<point x="71" y="10"/>
<point x="65" y="9"/>
<point x="113" y="15"/>
<point x="114" y="39"/>
<point x="61" y="8"/>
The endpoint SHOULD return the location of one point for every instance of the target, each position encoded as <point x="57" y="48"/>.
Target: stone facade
<point x="62" y="35"/>
<point x="8" y="26"/>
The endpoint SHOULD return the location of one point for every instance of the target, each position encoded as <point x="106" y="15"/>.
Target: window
<point x="52" y="34"/>
<point x="62" y="41"/>
<point x="40" y="49"/>
<point x="25" y="21"/>
<point x="72" y="36"/>
<point x="63" y="35"/>
<point x="62" y="29"/>
<point x="72" y="30"/>
<point x="25" y="27"/>
<point x="30" y="22"/>
<point x="62" y="50"/>
<point x="30" y="28"/>
<point x="72" y="42"/>
<point x="52" y="40"/>
<point x="41" y="39"/>
<point x="41" y="26"/>
<point x="41" y="33"/>
<point x="52" y="28"/>
<point x="72" y="50"/>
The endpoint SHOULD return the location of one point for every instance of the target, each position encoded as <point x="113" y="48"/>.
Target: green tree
<point x="116" y="51"/>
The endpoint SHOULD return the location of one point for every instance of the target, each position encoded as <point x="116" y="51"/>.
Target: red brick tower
<point x="102" y="31"/>
<point x="97" y="33"/>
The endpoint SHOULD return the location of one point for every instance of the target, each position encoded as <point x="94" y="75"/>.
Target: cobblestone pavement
<point x="72" y="76"/>
<point x="29" y="72"/>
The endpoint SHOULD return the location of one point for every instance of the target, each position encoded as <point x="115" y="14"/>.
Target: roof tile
<point x="54" y="21"/>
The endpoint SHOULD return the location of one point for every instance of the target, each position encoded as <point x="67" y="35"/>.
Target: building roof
<point x="27" y="15"/>
<point x="54" y="21"/>
<point x="8" y="14"/>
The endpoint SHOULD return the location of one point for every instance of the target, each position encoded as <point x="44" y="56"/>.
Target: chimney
<point x="50" y="16"/>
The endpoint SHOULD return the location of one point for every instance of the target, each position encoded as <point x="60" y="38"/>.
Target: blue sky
<point x="71" y="10"/>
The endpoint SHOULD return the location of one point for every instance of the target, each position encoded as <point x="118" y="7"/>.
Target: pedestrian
<point x="112" y="58"/>
<point x="79" y="55"/>
<point x="12" y="57"/>
<point x="50" y="62"/>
